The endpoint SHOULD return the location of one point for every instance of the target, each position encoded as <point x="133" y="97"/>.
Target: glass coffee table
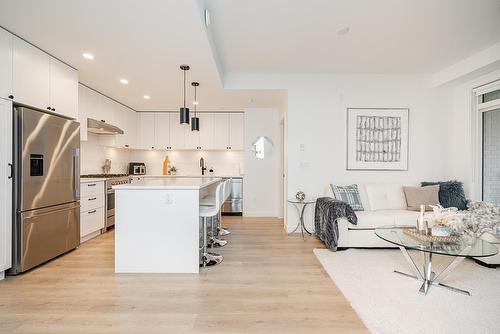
<point x="462" y="248"/>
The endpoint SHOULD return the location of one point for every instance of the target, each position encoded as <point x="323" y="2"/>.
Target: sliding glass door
<point x="490" y="108"/>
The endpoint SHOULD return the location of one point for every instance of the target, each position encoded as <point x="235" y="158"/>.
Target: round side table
<point x="301" y="206"/>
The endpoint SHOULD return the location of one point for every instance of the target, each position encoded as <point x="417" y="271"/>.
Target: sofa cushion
<point x="451" y="194"/>
<point x="378" y="218"/>
<point x="417" y="196"/>
<point x="348" y="194"/>
<point x="362" y="194"/>
<point x="385" y="196"/>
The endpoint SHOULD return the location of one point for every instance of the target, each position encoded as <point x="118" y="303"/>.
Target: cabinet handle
<point x="91" y="185"/>
<point x="126" y="145"/>
<point x="48" y="108"/>
<point x="53" y="109"/>
<point x="11" y="97"/>
<point x="91" y="212"/>
<point x="92" y="199"/>
<point x="11" y="171"/>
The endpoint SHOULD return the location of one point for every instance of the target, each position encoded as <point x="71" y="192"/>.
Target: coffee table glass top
<point x="465" y="246"/>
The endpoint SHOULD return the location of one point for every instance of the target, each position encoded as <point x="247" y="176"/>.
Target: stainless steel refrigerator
<point x="46" y="187"/>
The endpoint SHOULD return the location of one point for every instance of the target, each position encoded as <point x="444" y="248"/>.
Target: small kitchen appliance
<point x="136" y="168"/>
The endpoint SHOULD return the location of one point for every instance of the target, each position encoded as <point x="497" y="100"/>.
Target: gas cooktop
<point x="107" y="176"/>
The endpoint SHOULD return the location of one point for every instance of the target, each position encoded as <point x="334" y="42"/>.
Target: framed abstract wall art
<point x="377" y="139"/>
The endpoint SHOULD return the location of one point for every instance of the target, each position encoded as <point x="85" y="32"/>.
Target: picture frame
<point x="377" y="138"/>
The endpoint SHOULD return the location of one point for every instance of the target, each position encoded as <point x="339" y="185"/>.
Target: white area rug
<point x="390" y="303"/>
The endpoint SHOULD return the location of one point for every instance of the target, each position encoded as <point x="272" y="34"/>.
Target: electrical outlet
<point x="168" y="199"/>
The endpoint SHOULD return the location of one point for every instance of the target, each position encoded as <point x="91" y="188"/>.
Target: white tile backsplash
<point x="93" y="156"/>
<point x="187" y="162"/>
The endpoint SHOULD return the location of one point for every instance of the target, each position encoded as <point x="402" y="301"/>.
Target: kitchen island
<point x="157" y="224"/>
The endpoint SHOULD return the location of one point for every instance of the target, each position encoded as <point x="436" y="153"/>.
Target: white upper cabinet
<point x="31" y="75"/>
<point x="177" y="132"/>
<point x="236" y="131"/>
<point x="218" y="131"/>
<point x="63" y="89"/>
<point x="207" y="133"/>
<point x="221" y="129"/>
<point x="84" y="106"/>
<point x="41" y="81"/>
<point x="128" y="124"/>
<point x="162" y="131"/>
<point x="146" y="130"/>
<point x="5" y="64"/>
<point x="5" y="184"/>
<point x="192" y="138"/>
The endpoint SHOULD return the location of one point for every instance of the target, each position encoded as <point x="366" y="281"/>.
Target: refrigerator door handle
<point x="76" y="173"/>
<point x="11" y="166"/>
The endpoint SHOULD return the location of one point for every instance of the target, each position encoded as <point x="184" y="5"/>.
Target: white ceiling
<point x="386" y="36"/>
<point x="146" y="41"/>
<point x="142" y="41"/>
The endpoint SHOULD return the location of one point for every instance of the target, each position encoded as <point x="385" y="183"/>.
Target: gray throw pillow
<point x="451" y="194"/>
<point x="348" y="194"/>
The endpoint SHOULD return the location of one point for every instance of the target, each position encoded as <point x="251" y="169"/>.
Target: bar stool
<point x="227" y="193"/>
<point x="210" y="201"/>
<point x="210" y="259"/>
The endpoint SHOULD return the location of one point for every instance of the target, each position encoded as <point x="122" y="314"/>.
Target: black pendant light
<point x="184" y="111"/>
<point x="195" y="121"/>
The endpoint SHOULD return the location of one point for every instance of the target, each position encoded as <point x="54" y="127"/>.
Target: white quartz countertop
<point x="168" y="183"/>
<point x="189" y="176"/>
<point x="92" y="179"/>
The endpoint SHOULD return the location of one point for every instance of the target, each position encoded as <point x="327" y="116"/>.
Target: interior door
<point x="49" y="156"/>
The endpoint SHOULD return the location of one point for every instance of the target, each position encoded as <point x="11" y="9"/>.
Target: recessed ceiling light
<point x="343" y="31"/>
<point x="147" y="97"/>
<point x="124" y="81"/>
<point x="88" y="56"/>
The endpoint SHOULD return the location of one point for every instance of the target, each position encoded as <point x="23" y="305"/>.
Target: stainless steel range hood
<point x="102" y="128"/>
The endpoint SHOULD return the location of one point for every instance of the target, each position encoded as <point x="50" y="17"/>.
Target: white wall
<point x="262" y="183"/>
<point x="225" y="163"/>
<point x="316" y="118"/>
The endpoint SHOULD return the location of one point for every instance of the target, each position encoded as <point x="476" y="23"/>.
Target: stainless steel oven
<point x="110" y="198"/>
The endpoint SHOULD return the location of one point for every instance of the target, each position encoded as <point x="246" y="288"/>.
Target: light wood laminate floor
<point x="268" y="283"/>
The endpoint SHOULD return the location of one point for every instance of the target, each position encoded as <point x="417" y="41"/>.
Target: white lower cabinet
<point x="92" y="209"/>
<point x="5" y="186"/>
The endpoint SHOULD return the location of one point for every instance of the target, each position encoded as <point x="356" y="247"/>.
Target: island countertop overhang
<point x="183" y="183"/>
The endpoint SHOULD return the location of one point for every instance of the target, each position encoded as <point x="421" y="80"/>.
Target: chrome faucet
<point x="203" y="166"/>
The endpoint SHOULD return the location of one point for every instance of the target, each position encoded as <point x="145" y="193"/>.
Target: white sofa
<point x="385" y="204"/>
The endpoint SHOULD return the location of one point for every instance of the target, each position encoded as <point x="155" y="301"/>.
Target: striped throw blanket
<point x="326" y="215"/>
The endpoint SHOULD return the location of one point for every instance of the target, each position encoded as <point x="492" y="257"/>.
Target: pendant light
<point x="195" y="121"/>
<point x="184" y="111"/>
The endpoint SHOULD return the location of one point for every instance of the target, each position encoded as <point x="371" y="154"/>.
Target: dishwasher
<point x="234" y="204"/>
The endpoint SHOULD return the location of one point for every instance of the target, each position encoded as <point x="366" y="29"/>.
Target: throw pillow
<point x="348" y="194"/>
<point x="416" y="196"/>
<point x="451" y="194"/>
